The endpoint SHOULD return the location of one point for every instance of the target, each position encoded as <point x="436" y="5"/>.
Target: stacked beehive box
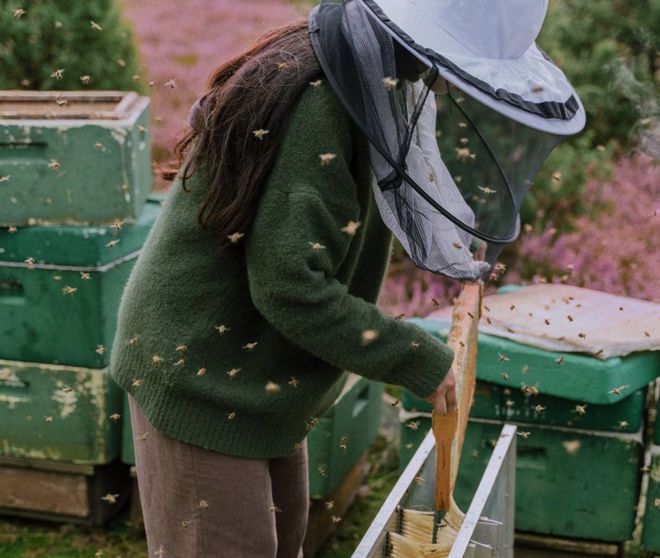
<point x="651" y="528"/>
<point x="75" y="208"/>
<point x="580" y="422"/>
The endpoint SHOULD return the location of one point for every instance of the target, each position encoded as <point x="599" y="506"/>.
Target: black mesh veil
<point x="448" y="172"/>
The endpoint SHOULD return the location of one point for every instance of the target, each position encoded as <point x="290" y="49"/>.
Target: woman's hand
<point x="443" y="398"/>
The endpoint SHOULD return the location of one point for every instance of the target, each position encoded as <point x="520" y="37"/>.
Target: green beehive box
<point x="343" y="434"/>
<point x="657" y="422"/>
<point x="73" y="157"/>
<point x="507" y="404"/>
<point x="411" y="433"/>
<point x="592" y="477"/>
<point x="581" y="463"/>
<point x="651" y="531"/>
<point x="58" y="413"/>
<point x="127" y="449"/>
<point x="580" y="377"/>
<point x="335" y="443"/>
<point x="41" y="318"/>
<point x="503" y="399"/>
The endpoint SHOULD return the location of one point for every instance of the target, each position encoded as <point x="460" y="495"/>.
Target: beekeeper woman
<point x="254" y="292"/>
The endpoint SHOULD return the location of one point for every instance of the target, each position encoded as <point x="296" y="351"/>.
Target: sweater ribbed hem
<point x="208" y="425"/>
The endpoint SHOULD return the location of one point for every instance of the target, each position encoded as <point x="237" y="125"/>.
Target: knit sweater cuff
<point x="426" y="370"/>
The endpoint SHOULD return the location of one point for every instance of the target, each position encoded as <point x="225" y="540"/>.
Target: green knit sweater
<point x="240" y="350"/>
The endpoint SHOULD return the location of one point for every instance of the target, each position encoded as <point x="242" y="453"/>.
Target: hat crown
<point x="501" y="29"/>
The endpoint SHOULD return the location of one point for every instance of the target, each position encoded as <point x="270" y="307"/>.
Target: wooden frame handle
<point x="444" y="430"/>
<point x="449" y="430"/>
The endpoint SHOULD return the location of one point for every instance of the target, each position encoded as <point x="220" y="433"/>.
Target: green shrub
<point x="608" y="49"/>
<point x="53" y="35"/>
<point x="556" y="196"/>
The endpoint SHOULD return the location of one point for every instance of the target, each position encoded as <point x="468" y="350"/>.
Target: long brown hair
<point x="241" y="120"/>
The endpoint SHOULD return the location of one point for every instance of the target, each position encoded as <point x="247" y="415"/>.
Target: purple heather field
<point x="186" y="42"/>
<point x="615" y="248"/>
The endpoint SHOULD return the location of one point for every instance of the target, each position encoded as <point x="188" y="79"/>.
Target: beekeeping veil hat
<point x="450" y="170"/>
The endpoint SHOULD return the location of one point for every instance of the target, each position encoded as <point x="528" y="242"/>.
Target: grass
<point x="24" y="538"/>
<point x="382" y="475"/>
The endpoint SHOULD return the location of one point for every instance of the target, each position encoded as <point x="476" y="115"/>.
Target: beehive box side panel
<point x="593" y="478"/>
<point x="501" y="403"/>
<point x="56" y="171"/>
<point x="507" y="363"/>
<point x="77" y="171"/>
<point x="507" y="404"/>
<point x="24" y="153"/>
<point x="356" y="423"/>
<point x="60" y="413"/>
<point x="319" y="447"/>
<point x="140" y="165"/>
<point x="651" y="530"/>
<point x="60" y="317"/>
<point x="127" y="449"/>
<point x="103" y="406"/>
<point x="54" y="319"/>
<point x="656" y="438"/>
<point x="343" y="434"/>
<point x="84" y="246"/>
<point x="114" y="280"/>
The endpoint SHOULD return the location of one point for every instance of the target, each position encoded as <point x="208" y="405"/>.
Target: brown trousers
<point x="198" y="503"/>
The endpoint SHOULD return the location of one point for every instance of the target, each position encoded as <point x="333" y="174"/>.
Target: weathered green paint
<point x="569" y="482"/>
<point x="651" y="530"/>
<point x="581" y="378"/>
<point x="127" y="447"/>
<point x="490" y="402"/>
<point x="656" y="439"/>
<point x="104" y="169"/>
<point x="78" y="402"/>
<point x="342" y="435"/>
<point x="411" y="435"/>
<point x="38" y="322"/>
<point x="334" y="445"/>
<point x="565" y="464"/>
<point x="78" y="245"/>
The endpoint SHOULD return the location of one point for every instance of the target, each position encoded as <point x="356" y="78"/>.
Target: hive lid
<point x="66" y="105"/>
<point x="566" y="318"/>
<point x="55" y="246"/>
<point x="574" y="376"/>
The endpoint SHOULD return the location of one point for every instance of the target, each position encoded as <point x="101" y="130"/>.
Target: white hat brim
<point x="530" y="78"/>
<point x="556" y="126"/>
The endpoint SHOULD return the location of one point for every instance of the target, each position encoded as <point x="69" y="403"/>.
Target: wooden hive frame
<point x="449" y="430"/>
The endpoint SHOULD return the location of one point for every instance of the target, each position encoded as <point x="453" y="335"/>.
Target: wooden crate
<point x="57" y="491"/>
